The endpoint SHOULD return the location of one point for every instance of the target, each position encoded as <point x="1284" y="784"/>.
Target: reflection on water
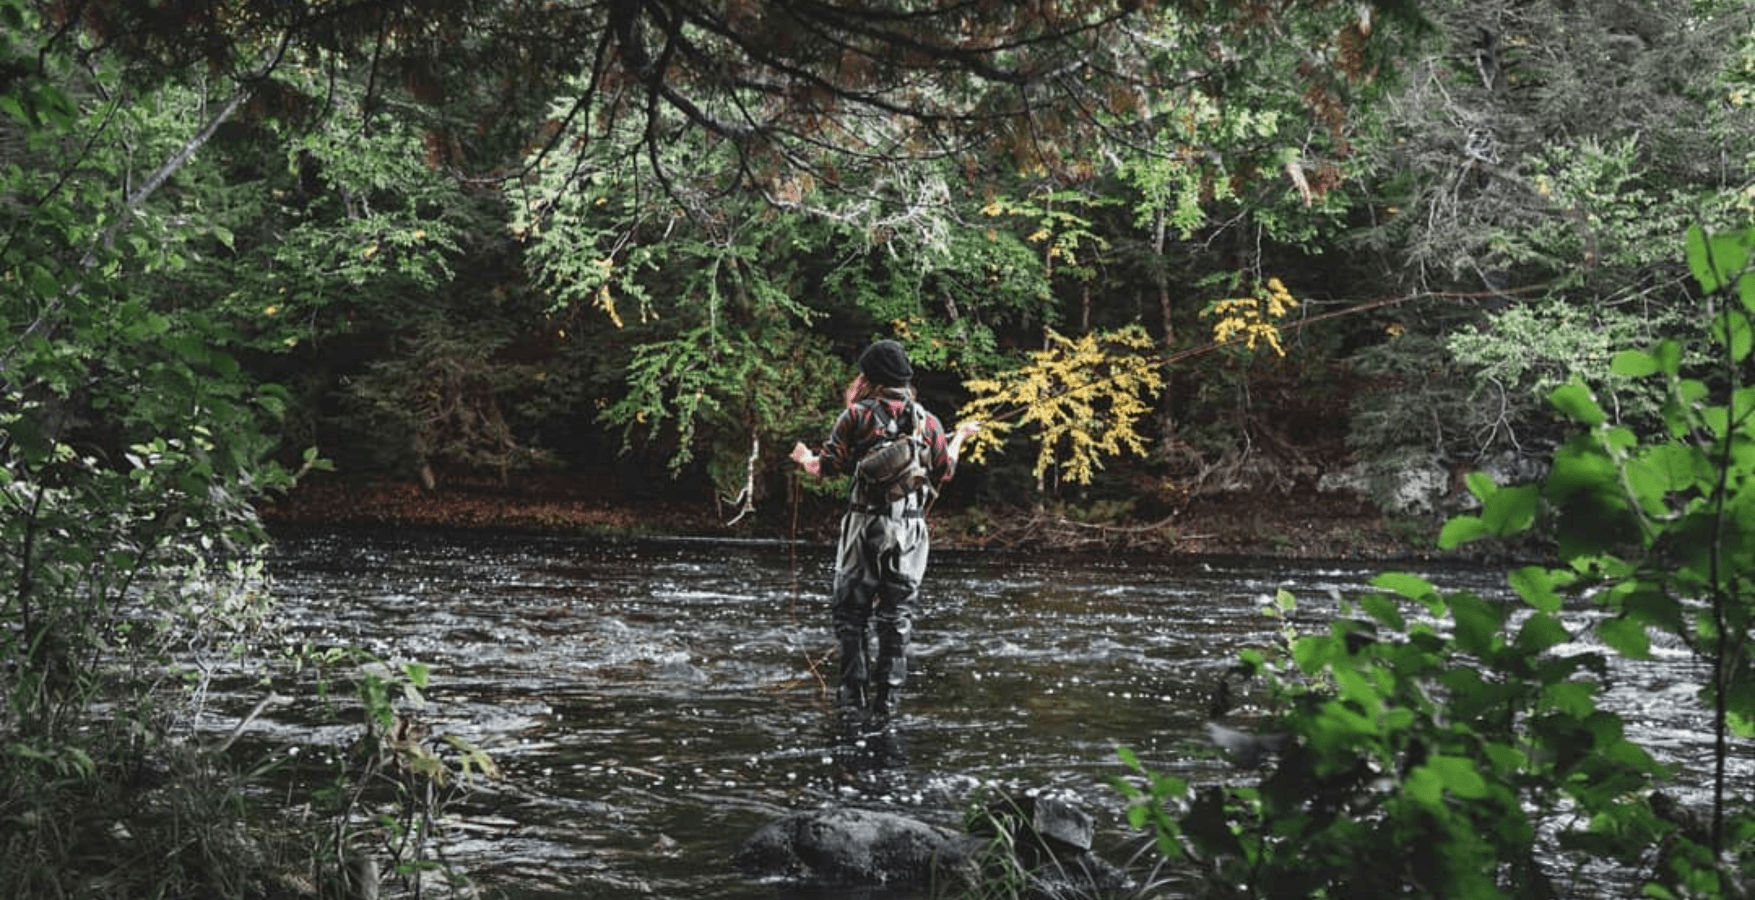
<point x="652" y="703"/>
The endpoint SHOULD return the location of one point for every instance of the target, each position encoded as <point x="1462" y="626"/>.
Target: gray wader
<point x="878" y="569"/>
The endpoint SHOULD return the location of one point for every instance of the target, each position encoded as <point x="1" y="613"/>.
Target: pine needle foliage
<point x="1082" y="397"/>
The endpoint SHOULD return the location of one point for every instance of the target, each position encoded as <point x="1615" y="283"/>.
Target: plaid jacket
<point x="859" y="428"/>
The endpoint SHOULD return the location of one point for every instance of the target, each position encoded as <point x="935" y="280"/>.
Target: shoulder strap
<point x="916" y="417"/>
<point x="878" y="412"/>
<point x="892" y="425"/>
<point x="911" y="419"/>
<point x="917" y="414"/>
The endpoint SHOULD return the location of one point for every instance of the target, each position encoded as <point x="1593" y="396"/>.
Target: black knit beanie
<point x="886" y="363"/>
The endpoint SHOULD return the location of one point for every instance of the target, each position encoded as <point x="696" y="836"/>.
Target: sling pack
<point x="899" y="463"/>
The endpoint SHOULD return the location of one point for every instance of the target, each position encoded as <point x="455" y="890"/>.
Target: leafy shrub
<point x="1458" y="743"/>
<point x="1526" y="351"/>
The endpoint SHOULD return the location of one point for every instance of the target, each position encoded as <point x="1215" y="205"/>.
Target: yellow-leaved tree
<point x="1081" y="397"/>
<point x="1253" y="318"/>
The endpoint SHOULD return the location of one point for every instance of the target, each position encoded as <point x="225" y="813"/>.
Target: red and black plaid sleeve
<point x="849" y="433"/>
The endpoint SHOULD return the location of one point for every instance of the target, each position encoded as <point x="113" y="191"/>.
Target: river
<point x="650" y="703"/>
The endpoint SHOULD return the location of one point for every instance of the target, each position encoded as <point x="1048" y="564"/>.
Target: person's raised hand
<point x="808" y="460"/>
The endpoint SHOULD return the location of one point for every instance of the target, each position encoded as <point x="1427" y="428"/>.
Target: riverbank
<point x="1290" y="525"/>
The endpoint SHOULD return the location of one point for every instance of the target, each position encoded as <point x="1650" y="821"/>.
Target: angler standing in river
<point x="898" y="455"/>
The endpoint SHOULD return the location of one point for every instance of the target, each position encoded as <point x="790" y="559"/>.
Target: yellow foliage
<point x="1082" y="396"/>
<point x="603" y="299"/>
<point x="606" y="302"/>
<point x="1254" y="318"/>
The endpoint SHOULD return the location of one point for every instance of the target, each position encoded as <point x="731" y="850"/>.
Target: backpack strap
<point x="892" y="426"/>
<point x="909" y="422"/>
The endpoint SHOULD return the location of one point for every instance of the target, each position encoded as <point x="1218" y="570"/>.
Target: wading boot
<point x="883" y="703"/>
<point x="853" y="674"/>
<point x="887" y="677"/>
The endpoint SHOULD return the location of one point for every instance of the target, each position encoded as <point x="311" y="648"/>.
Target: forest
<point x="1164" y="250"/>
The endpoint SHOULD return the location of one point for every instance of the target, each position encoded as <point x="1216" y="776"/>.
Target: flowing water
<point x="652" y="703"/>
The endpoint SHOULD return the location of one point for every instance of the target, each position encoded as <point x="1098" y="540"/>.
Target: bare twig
<point x="747" y="499"/>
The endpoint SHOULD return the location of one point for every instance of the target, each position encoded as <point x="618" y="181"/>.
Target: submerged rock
<point x="855" y="848"/>
<point x="1039" y="845"/>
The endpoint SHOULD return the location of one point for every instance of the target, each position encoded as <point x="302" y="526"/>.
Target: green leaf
<point x="1619" y="437"/>
<point x="1743" y="405"/>
<point x="1384" y="610"/>
<point x="1477" y="622"/>
<point x="1717" y="419"/>
<point x="1356" y="687"/>
<point x="1536" y="586"/>
<point x="1651" y="605"/>
<point x="1715" y="260"/>
<point x="1574" y="698"/>
<point x="1680" y="466"/>
<point x="1540" y="632"/>
<point x="1313" y="653"/>
<point x="1425" y="786"/>
<point x="1731" y="329"/>
<point x="1626" y="637"/>
<point x="1700" y="259"/>
<point x="1511" y="510"/>
<point x="1633" y="364"/>
<point x="11" y="107"/>
<point x="1668" y="355"/>
<point x="1481" y="485"/>
<point x="417" y="673"/>
<point x="1458" y="775"/>
<point x="1576" y="402"/>
<point x="1505" y="757"/>
<point x="1412" y="587"/>
<point x="1580" y="466"/>
<point x="1730" y="253"/>
<point x="1460" y="530"/>
<point x="1648" y="486"/>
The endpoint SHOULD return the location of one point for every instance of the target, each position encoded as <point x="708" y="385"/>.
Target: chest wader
<point x="878" y="568"/>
